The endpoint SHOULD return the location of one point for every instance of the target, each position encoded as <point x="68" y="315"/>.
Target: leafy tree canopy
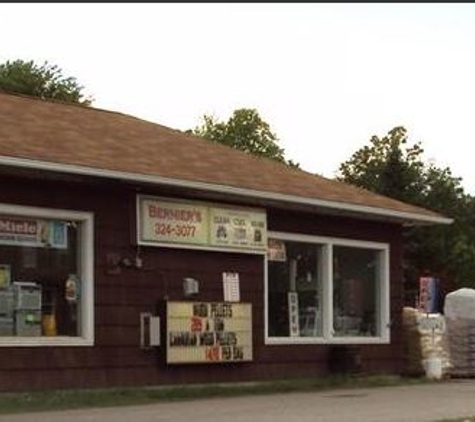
<point x="245" y="130"/>
<point x="391" y="167"/>
<point x="388" y="166"/>
<point x="45" y="82"/>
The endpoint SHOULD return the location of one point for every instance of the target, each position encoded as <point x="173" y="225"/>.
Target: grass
<point x="466" y="419"/>
<point x="76" y="399"/>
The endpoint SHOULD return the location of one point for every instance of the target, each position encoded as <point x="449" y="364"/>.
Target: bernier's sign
<point x="164" y="222"/>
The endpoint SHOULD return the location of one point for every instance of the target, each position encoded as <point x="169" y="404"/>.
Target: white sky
<point x="326" y="77"/>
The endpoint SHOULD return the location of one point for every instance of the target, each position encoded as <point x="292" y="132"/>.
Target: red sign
<point x="196" y="324"/>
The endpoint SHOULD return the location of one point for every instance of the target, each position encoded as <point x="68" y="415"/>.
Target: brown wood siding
<point x="116" y="359"/>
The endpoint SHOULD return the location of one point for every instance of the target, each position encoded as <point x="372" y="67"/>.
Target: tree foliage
<point x="388" y="166"/>
<point x="392" y="167"/>
<point x="245" y="130"/>
<point x="45" y="82"/>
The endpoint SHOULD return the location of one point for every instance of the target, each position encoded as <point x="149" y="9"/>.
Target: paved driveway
<point x="388" y="404"/>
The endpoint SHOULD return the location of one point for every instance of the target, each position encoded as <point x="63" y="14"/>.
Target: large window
<point x="326" y="290"/>
<point x="46" y="277"/>
<point x="295" y="293"/>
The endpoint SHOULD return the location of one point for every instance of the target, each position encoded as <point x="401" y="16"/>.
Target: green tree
<point x="245" y="130"/>
<point x="388" y="166"/>
<point x="45" y="82"/>
<point x="391" y="167"/>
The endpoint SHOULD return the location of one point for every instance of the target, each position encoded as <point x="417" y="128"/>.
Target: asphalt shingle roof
<point x="44" y="131"/>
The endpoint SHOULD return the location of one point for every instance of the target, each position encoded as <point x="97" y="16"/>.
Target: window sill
<point x="45" y="341"/>
<point x="296" y="341"/>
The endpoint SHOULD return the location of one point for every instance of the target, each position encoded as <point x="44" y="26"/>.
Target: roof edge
<point x="252" y="193"/>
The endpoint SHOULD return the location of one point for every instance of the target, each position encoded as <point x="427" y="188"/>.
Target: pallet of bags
<point x="459" y="310"/>
<point x="420" y="344"/>
<point x="412" y="351"/>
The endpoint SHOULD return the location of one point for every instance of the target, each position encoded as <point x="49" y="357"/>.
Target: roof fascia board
<point x="158" y="180"/>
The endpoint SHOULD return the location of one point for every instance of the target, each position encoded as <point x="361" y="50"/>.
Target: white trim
<point x="138" y="220"/>
<point x="292" y="341"/>
<point x="251" y="193"/>
<point x="386" y="298"/>
<point x="87" y="272"/>
<point x="198" y="203"/>
<point x="327" y="298"/>
<point x="45" y="341"/>
<point x="266" y="295"/>
<point x="51" y="213"/>
<point x="297" y="237"/>
<point x="203" y="248"/>
<point x="86" y="266"/>
<point x="328" y="337"/>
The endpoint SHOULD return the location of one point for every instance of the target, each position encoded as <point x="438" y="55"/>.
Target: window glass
<point x="39" y="277"/>
<point x="355" y="291"/>
<point x="326" y="290"/>
<point x="295" y="291"/>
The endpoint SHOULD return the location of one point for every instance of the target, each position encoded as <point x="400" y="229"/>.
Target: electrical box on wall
<point x="149" y="330"/>
<point x="190" y="286"/>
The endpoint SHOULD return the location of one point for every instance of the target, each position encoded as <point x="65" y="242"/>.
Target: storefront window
<point x="295" y="292"/>
<point x="45" y="276"/>
<point x="326" y="290"/>
<point x="355" y="289"/>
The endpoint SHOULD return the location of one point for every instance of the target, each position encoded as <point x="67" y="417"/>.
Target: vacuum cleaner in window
<point x="27" y="302"/>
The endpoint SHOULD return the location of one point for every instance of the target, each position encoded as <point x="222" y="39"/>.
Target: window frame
<point x="382" y="300"/>
<point x="85" y="266"/>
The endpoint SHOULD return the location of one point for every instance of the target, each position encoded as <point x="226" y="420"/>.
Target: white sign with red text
<point x="20" y="231"/>
<point x="163" y="221"/>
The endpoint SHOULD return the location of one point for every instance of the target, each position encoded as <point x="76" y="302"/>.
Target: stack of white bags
<point x="459" y="310"/>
